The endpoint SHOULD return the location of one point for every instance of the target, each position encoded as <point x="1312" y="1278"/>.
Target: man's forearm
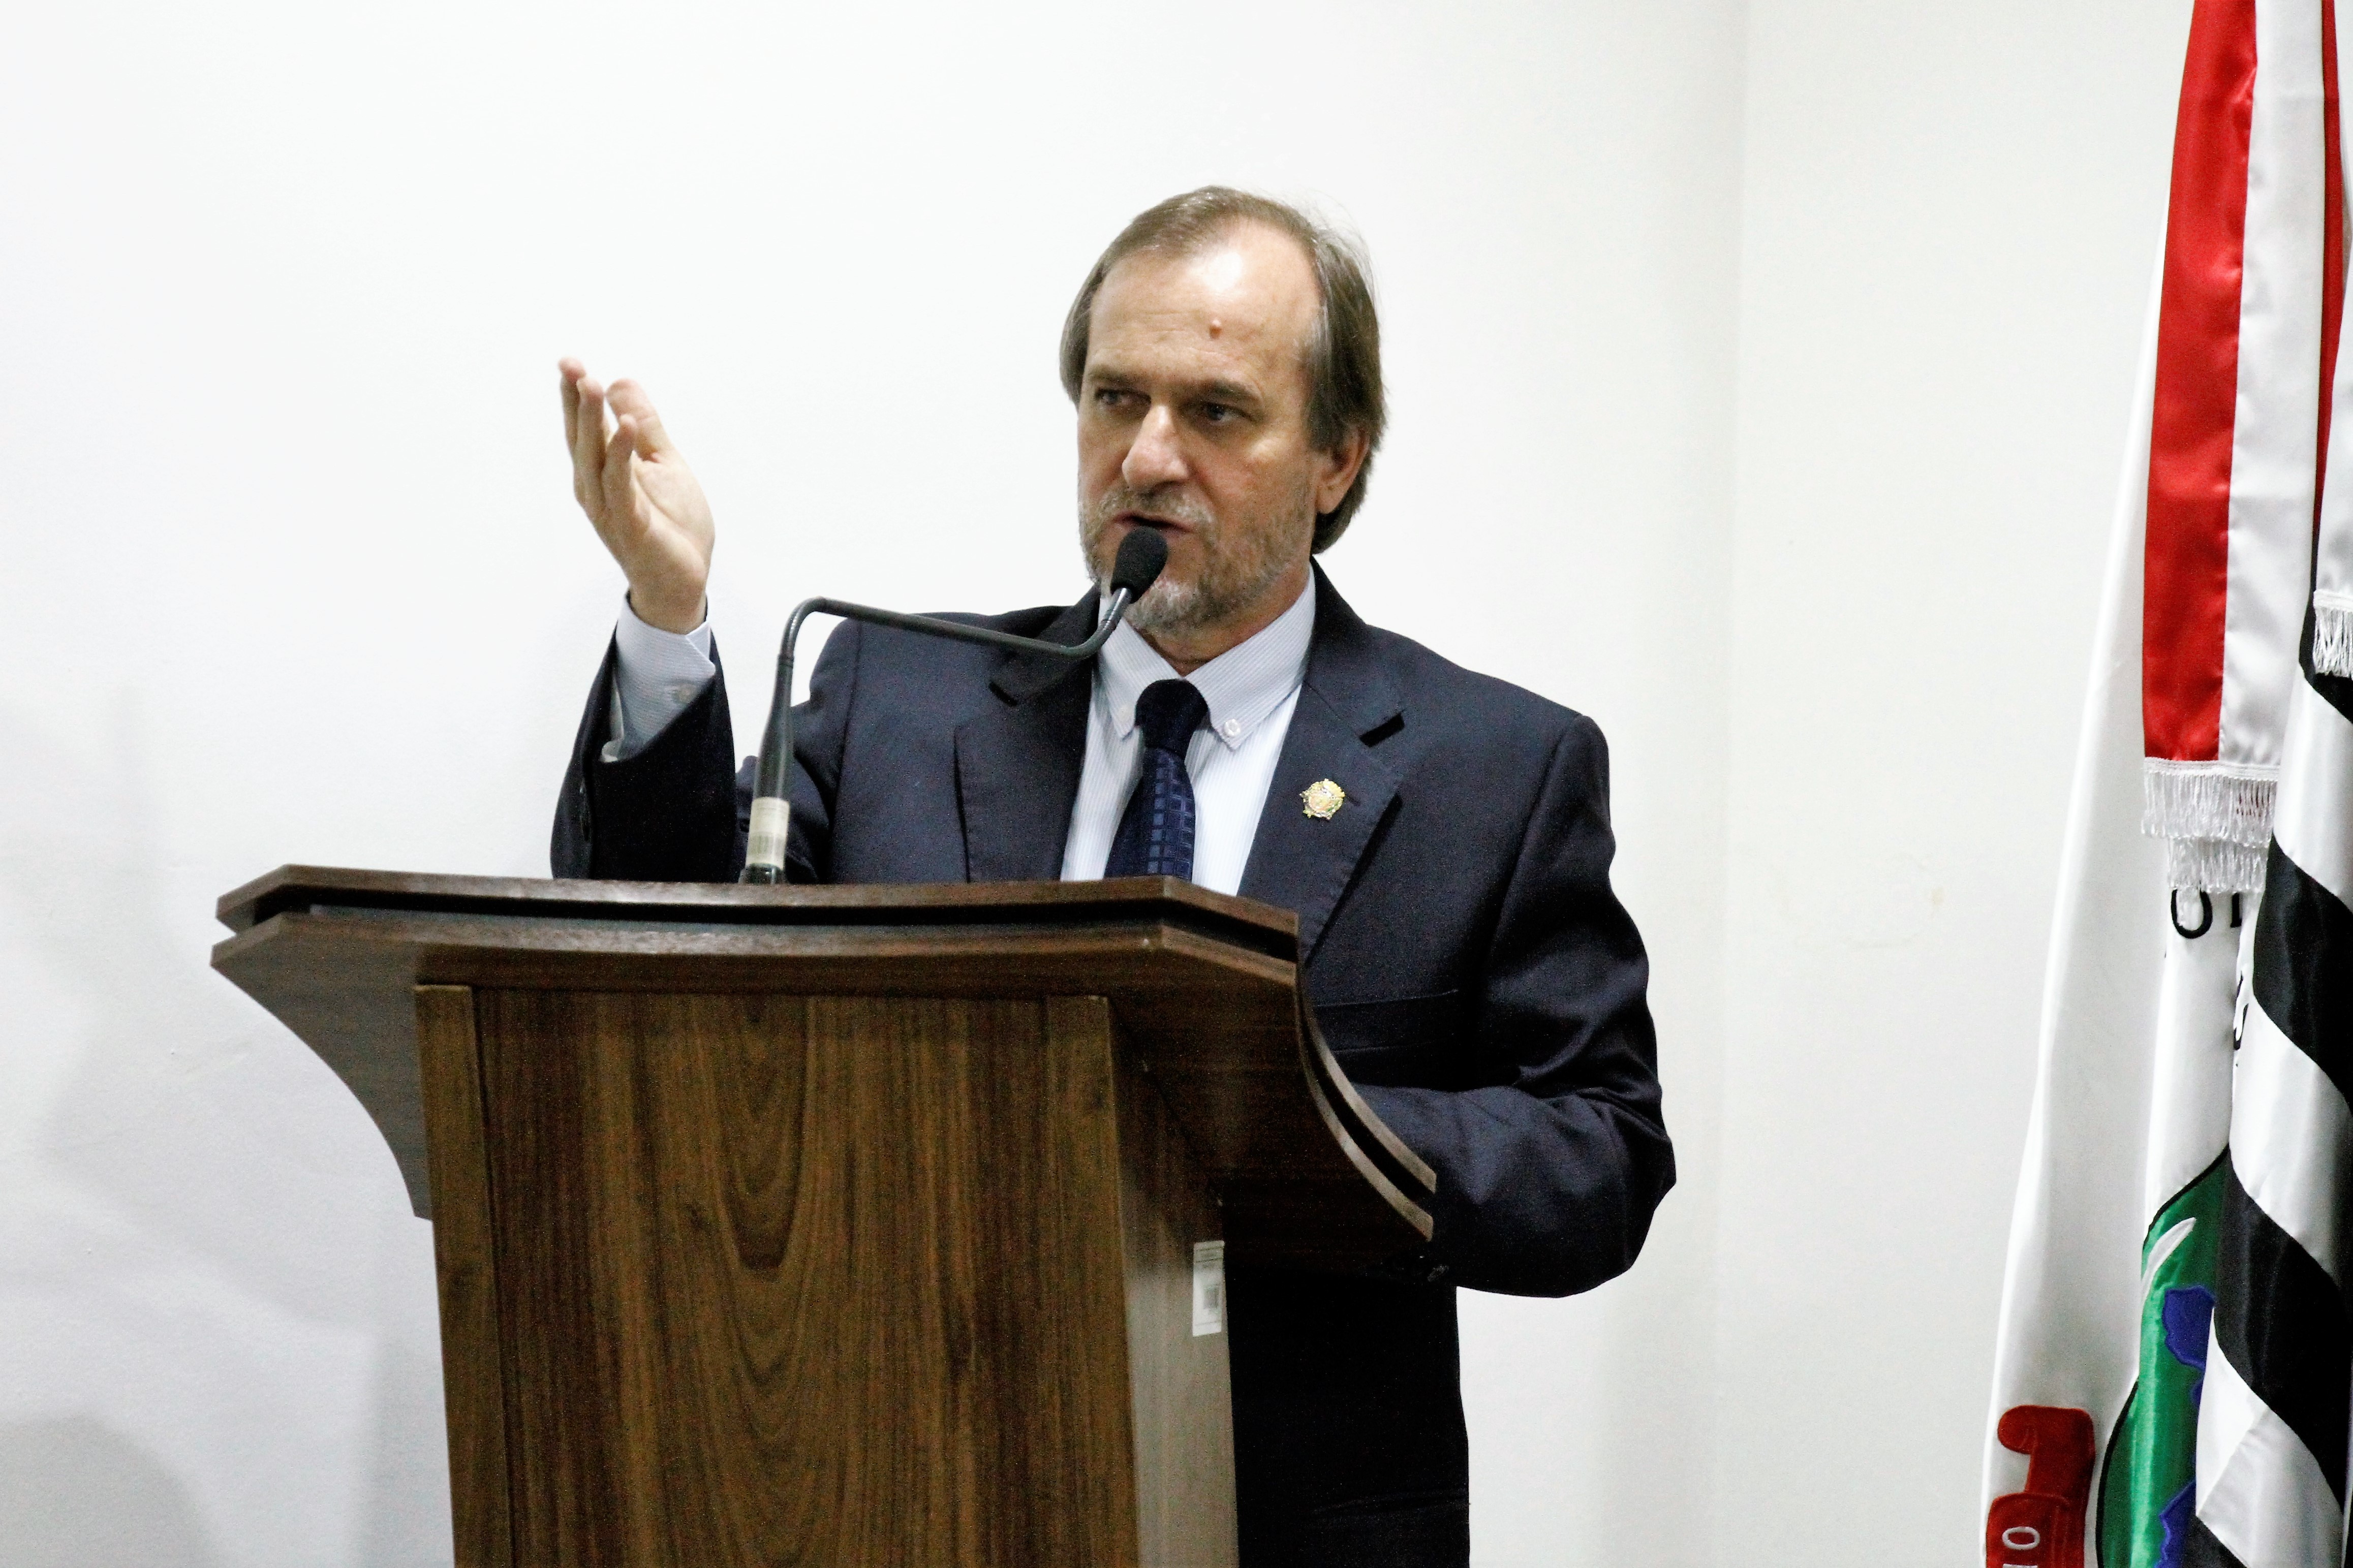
<point x="664" y="812"/>
<point x="1537" y="1197"/>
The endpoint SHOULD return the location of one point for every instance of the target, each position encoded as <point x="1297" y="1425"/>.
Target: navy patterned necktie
<point x="1156" y="832"/>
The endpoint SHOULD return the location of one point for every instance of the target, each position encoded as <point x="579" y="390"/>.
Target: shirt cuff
<point x="657" y="676"/>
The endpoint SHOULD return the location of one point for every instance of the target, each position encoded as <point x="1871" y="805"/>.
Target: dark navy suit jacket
<point x="1466" y="958"/>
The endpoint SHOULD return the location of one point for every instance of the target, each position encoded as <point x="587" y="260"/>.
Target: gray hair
<point x="1343" y="349"/>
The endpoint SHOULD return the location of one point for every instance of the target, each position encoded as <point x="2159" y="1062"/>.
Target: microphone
<point x="1142" y="556"/>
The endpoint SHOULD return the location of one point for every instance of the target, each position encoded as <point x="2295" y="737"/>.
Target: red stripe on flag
<point x="2332" y="256"/>
<point x="2186" y="587"/>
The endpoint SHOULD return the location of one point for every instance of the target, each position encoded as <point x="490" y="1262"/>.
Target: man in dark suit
<point x="1444" y="836"/>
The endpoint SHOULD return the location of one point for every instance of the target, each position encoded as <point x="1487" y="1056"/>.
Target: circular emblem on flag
<point x="1321" y="800"/>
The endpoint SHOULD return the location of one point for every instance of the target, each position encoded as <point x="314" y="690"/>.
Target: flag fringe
<point x="2213" y="866"/>
<point x="2226" y="800"/>
<point x="2332" y="633"/>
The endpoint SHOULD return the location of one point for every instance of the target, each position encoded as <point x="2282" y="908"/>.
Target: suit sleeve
<point x="1548" y="1170"/>
<point x="680" y="810"/>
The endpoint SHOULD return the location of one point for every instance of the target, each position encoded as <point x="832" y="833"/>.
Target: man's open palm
<point x="641" y="496"/>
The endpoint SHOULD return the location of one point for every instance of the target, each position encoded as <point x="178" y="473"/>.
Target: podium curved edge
<point x="364" y="1030"/>
<point x="1405" y="1169"/>
<point x="1405" y="1208"/>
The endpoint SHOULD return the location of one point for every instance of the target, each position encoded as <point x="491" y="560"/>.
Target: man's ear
<point x="1341" y="466"/>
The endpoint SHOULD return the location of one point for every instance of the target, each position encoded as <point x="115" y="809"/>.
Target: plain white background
<point x="1759" y="376"/>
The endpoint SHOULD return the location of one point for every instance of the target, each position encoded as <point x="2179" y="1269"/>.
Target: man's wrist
<point x="666" y="618"/>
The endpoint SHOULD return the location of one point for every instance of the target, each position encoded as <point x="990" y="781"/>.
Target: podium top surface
<point x="1260" y="927"/>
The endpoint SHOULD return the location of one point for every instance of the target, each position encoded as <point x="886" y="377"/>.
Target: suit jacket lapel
<point x="1018" y="760"/>
<point x="1304" y="863"/>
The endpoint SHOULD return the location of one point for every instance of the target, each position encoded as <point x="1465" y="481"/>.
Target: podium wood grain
<point x="473" y="1379"/>
<point x="772" y="1294"/>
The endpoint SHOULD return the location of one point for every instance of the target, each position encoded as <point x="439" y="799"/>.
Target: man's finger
<point x="588" y="445"/>
<point x="568" y="373"/>
<point x="620" y="458"/>
<point x="629" y="400"/>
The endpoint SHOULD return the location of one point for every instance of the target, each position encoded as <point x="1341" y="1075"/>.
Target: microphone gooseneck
<point x="1142" y="556"/>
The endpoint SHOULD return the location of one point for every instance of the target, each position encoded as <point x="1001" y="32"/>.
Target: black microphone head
<point x="1142" y="556"/>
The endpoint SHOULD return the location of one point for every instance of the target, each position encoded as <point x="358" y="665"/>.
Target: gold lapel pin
<point x="1322" y="799"/>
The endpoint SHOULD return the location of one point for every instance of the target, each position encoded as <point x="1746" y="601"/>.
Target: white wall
<point x="1759" y="375"/>
<point x="1951" y="221"/>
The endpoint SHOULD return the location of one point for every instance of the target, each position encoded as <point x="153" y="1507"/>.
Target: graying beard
<point x="1169" y="606"/>
<point x="1165" y="607"/>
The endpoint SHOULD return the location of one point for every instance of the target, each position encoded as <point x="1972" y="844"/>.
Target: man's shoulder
<point x="1436" y="689"/>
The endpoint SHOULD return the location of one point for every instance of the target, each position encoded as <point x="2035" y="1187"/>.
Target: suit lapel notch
<point x="1018" y="760"/>
<point x="1023" y="676"/>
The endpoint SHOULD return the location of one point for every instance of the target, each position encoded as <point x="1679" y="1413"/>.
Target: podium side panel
<point x="1179" y="1379"/>
<point x="472" y="1385"/>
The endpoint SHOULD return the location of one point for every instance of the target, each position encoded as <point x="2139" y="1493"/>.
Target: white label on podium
<point x="1209" y="1288"/>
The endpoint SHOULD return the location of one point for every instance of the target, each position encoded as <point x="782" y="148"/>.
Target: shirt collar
<point x="1242" y="685"/>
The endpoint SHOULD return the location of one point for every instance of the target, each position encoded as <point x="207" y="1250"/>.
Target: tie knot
<point x="1168" y="711"/>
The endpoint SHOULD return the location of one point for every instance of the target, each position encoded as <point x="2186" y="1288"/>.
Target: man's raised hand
<point x="641" y="496"/>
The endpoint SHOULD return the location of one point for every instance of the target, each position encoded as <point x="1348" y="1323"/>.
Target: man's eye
<point x="1217" y="413"/>
<point x="1112" y="397"/>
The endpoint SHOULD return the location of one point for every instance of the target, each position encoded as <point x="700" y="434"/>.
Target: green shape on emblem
<point x="2145" y="1489"/>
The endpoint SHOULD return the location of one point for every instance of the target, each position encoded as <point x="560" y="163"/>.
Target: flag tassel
<point x="2332" y="633"/>
<point x="2215" y="819"/>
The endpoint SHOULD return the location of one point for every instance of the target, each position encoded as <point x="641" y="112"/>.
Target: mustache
<point x="1171" y="508"/>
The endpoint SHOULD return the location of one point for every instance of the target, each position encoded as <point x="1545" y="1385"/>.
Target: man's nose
<point x="1154" y="457"/>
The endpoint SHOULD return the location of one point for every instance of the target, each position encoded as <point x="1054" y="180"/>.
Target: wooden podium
<point x="834" y="1226"/>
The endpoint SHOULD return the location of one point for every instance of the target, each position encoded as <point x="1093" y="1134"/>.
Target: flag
<point x="2249" y="299"/>
<point x="2118" y="1300"/>
<point x="2271" y="1428"/>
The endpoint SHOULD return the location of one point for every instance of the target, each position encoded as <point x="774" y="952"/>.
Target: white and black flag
<point x="2271" y="1428"/>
